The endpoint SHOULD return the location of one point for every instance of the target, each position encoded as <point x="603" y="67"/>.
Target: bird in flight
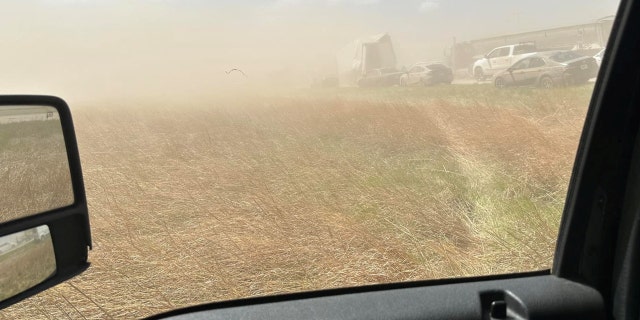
<point x="236" y="70"/>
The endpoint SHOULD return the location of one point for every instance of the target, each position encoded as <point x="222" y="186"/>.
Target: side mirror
<point x="44" y="222"/>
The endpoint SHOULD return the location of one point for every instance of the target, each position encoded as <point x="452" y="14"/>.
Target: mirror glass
<point x="34" y="170"/>
<point x="26" y="259"/>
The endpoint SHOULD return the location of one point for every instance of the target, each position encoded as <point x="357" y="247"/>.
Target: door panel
<point x="519" y="72"/>
<point x="529" y="76"/>
<point x="502" y="60"/>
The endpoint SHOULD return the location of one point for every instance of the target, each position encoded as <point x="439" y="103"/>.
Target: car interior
<point x="596" y="267"/>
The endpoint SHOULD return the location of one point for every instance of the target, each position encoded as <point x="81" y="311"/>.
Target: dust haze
<point x="208" y="185"/>
<point x="123" y="49"/>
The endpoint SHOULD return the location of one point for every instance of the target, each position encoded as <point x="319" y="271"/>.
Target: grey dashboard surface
<point x="538" y="297"/>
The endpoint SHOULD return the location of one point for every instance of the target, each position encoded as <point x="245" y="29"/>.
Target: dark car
<point x="578" y="68"/>
<point x="548" y="70"/>
<point x="427" y="74"/>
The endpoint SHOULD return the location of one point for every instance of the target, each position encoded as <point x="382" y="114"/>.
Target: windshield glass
<point x="234" y="149"/>
<point x="524" y="48"/>
<point x="437" y="66"/>
<point x="565" y="56"/>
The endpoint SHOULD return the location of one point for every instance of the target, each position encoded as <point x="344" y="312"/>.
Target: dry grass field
<point x="229" y="197"/>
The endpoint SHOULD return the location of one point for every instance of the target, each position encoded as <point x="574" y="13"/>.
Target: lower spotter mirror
<point x="27" y="259"/>
<point x="44" y="224"/>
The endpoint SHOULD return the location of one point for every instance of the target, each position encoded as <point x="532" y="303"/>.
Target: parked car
<point x="578" y="68"/>
<point x="500" y="59"/>
<point x="427" y="74"/>
<point x="599" y="56"/>
<point x="548" y="70"/>
<point x="380" y="78"/>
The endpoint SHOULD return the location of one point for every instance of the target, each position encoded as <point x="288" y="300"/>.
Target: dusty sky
<point x="149" y="47"/>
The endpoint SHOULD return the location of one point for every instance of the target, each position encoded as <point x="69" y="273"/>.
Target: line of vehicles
<point x="524" y="65"/>
<point x="371" y="62"/>
<point x="421" y="73"/>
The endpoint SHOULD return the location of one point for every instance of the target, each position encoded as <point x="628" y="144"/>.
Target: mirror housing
<point x="67" y="226"/>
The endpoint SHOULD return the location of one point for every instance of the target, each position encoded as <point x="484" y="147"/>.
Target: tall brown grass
<point x="207" y="200"/>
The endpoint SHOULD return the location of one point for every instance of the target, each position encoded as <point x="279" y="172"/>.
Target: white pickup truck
<point x="500" y="59"/>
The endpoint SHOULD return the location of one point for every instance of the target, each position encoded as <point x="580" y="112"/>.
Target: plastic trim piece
<point x="545" y="297"/>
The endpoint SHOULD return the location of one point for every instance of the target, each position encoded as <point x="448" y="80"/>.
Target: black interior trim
<point x="545" y="297"/>
<point x="345" y="291"/>
<point x="587" y="240"/>
<point x="626" y="274"/>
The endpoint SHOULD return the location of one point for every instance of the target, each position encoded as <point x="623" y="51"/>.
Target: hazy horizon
<point x="81" y="48"/>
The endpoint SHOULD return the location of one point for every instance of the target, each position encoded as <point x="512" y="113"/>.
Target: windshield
<point x="565" y="56"/>
<point x="437" y="67"/>
<point x="234" y="149"/>
<point x="524" y="48"/>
